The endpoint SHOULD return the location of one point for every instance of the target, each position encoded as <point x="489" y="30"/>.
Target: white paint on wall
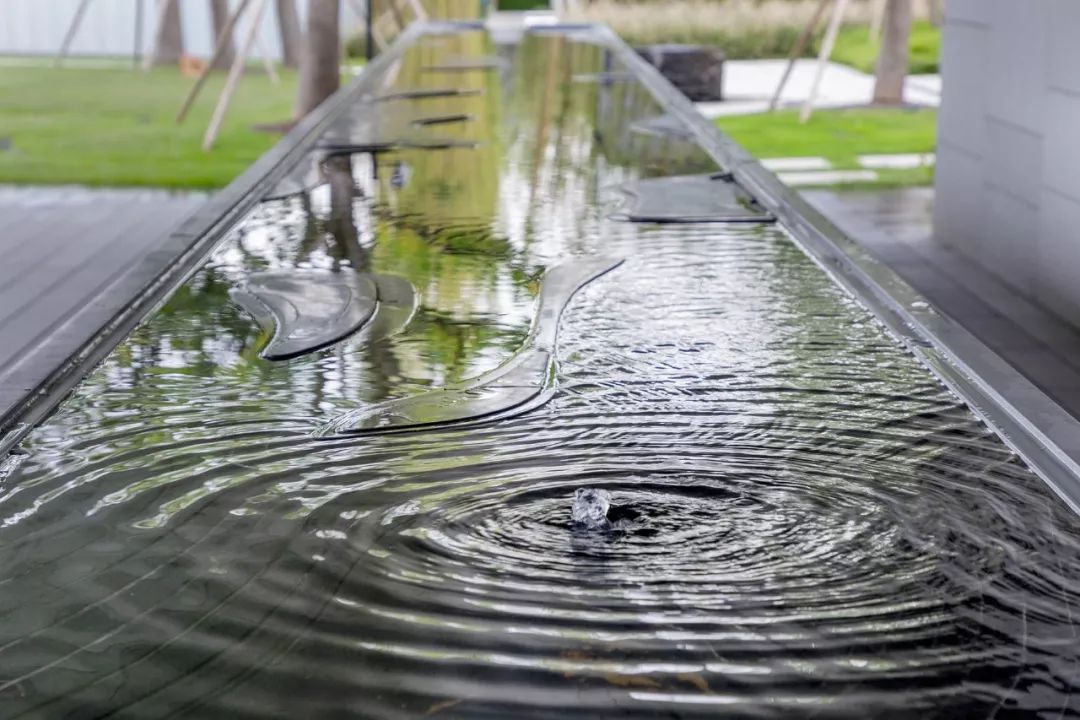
<point x="1008" y="177"/>
<point x="37" y="27"/>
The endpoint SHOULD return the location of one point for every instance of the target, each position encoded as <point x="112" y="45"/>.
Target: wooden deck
<point x="67" y="265"/>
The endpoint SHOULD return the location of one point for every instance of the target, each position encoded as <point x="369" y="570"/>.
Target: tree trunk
<point x="892" y="62"/>
<point x="320" y="71"/>
<point x="169" y="42"/>
<point x="219" y="12"/>
<point x="289" y="27"/>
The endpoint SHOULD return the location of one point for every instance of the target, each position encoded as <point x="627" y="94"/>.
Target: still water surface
<point x="824" y="530"/>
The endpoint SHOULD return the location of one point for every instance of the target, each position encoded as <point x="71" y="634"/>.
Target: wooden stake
<point x="827" y="46"/>
<point x="796" y="52"/>
<point x="76" y="21"/>
<point x="267" y="61"/>
<point x="235" y="72"/>
<point x="877" y="20"/>
<point x="222" y="41"/>
<point x="418" y="10"/>
<point x="399" y="19"/>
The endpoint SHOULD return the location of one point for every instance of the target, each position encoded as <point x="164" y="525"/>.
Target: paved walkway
<point x="896" y="225"/>
<point x="67" y="259"/>
<point x="818" y="171"/>
<point x="749" y="85"/>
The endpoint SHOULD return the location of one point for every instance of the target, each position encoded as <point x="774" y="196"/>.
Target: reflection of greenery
<point x="471" y="228"/>
<point x="464" y="239"/>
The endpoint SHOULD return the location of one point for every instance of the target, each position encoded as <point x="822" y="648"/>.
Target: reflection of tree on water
<point x="342" y="223"/>
<point x="381" y="362"/>
<point x="471" y="228"/>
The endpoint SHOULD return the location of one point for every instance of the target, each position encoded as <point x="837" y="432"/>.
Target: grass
<point x="116" y="127"/>
<point x="855" y="47"/>
<point x="840" y="136"/>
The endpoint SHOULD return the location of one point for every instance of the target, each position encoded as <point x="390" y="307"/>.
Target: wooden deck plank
<point x="66" y="259"/>
<point x="79" y="281"/>
<point x="56" y="271"/>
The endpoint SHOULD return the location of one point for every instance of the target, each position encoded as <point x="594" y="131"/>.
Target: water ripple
<point x="821" y="528"/>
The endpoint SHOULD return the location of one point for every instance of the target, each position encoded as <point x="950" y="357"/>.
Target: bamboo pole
<point x="399" y="19"/>
<point x="418" y="10"/>
<point x="801" y="44"/>
<point x="222" y="41"/>
<point x="877" y="20"/>
<point x="827" y="46"/>
<point x="73" y="28"/>
<point x="267" y="61"/>
<point x="235" y="72"/>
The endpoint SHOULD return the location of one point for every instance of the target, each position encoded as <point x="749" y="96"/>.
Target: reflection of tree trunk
<point x="312" y="233"/>
<point x="382" y="365"/>
<point x="381" y="362"/>
<point x="892" y="63"/>
<point x="289" y="27"/>
<point x="169" y="43"/>
<point x="543" y="120"/>
<point x="319" y="62"/>
<point x="219" y="12"/>
<point x="342" y="224"/>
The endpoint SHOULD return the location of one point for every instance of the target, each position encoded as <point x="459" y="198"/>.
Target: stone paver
<point x="749" y="85"/>
<point x="797" y="164"/>
<point x="70" y="259"/>
<point x="827" y="177"/>
<point x="897" y="162"/>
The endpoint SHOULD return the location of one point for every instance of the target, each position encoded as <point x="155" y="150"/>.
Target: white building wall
<point x="37" y="27"/>
<point x="1008" y="178"/>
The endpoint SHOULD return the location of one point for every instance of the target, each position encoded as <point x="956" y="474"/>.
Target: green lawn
<point x="855" y="47"/>
<point x="116" y="127"/>
<point x="840" y="136"/>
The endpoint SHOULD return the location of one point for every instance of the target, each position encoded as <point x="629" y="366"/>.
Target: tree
<point x="219" y="12"/>
<point x="289" y="27"/>
<point x="169" y="42"/>
<point x="892" y="62"/>
<point x="320" y="71"/>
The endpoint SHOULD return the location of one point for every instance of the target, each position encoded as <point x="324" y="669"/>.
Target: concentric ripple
<point x="820" y="529"/>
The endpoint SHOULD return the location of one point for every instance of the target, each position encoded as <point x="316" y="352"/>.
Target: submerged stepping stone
<point x="425" y="94"/>
<point x="691" y="199"/>
<point x="308" y="310"/>
<point x="522" y="383"/>
<point x="345" y="147"/>
<point x="467" y="64"/>
<point x="308" y="173"/>
<point x="374" y="128"/>
<point x="443" y="119"/>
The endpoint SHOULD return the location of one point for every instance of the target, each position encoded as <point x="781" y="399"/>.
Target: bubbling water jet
<point x="593" y="510"/>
